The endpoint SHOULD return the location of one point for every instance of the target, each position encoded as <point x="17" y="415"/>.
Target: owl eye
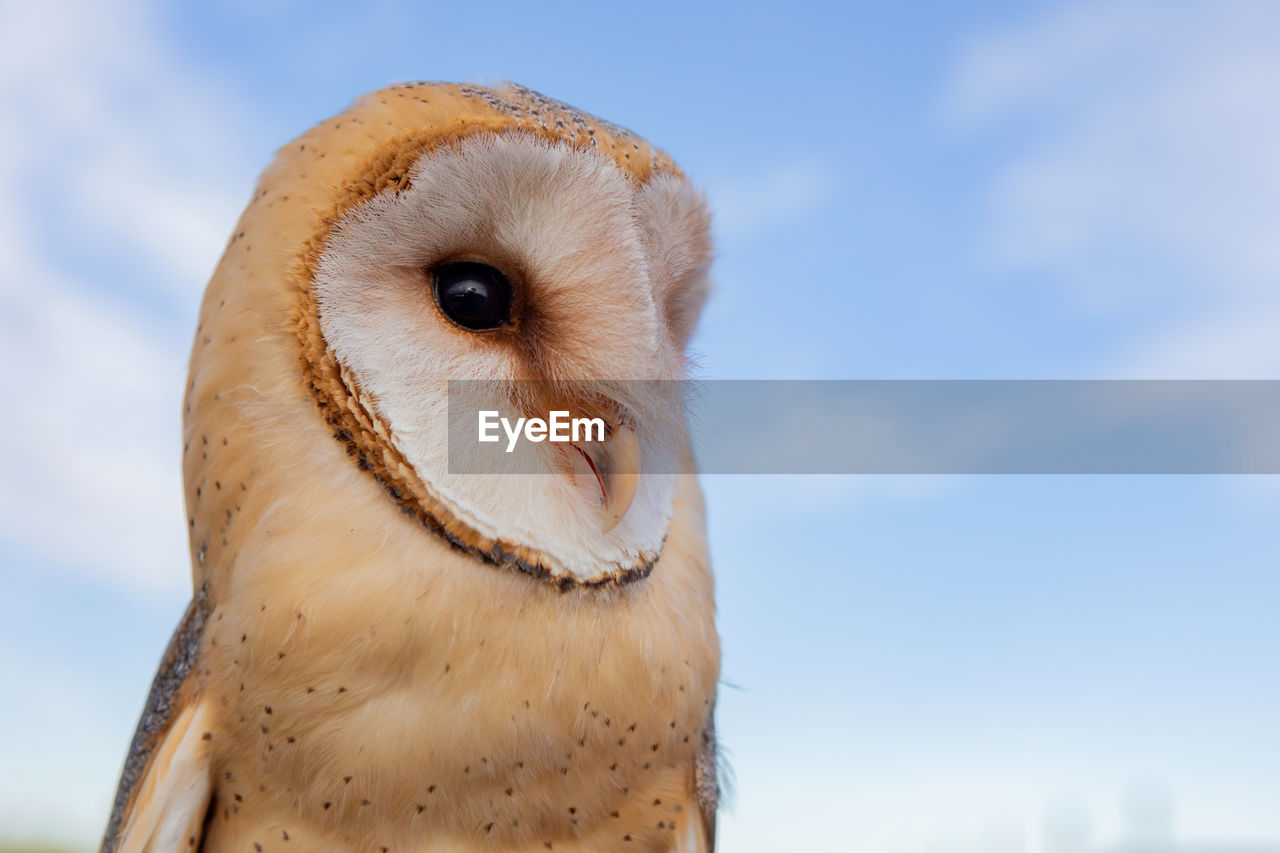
<point x="475" y="296"/>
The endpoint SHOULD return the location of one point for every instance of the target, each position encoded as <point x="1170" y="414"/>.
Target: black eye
<point x="475" y="296"/>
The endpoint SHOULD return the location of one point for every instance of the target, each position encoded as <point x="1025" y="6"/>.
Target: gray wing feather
<point x="157" y="715"/>
<point x="707" y="779"/>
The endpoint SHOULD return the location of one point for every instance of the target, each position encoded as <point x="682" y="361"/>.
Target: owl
<point x="385" y="653"/>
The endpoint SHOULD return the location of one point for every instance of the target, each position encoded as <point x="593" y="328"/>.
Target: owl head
<point x="440" y="236"/>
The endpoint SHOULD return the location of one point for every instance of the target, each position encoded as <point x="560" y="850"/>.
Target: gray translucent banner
<point x="895" y="426"/>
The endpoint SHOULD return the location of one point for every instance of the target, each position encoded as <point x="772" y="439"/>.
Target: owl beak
<point x="615" y="465"/>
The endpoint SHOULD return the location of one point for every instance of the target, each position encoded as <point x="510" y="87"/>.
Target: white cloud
<point x="1144" y="171"/>
<point x="62" y="768"/>
<point x="1048" y="803"/>
<point x="785" y="192"/>
<point x="112" y="150"/>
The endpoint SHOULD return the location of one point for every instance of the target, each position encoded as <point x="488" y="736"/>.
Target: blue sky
<point x="928" y="190"/>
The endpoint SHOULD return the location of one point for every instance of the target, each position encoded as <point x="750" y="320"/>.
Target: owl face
<point x="512" y="256"/>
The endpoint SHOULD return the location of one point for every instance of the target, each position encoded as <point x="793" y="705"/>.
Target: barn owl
<point x="382" y="654"/>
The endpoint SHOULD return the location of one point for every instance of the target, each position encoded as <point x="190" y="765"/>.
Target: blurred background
<point x="925" y="190"/>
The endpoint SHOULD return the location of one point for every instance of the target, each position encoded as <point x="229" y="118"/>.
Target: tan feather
<point x="169" y="807"/>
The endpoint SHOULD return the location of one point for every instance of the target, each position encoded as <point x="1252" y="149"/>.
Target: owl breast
<point x="399" y="698"/>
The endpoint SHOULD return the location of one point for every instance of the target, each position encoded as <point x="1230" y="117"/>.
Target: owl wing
<point x="166" y="783"/>
<point x="706" y="780"/>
